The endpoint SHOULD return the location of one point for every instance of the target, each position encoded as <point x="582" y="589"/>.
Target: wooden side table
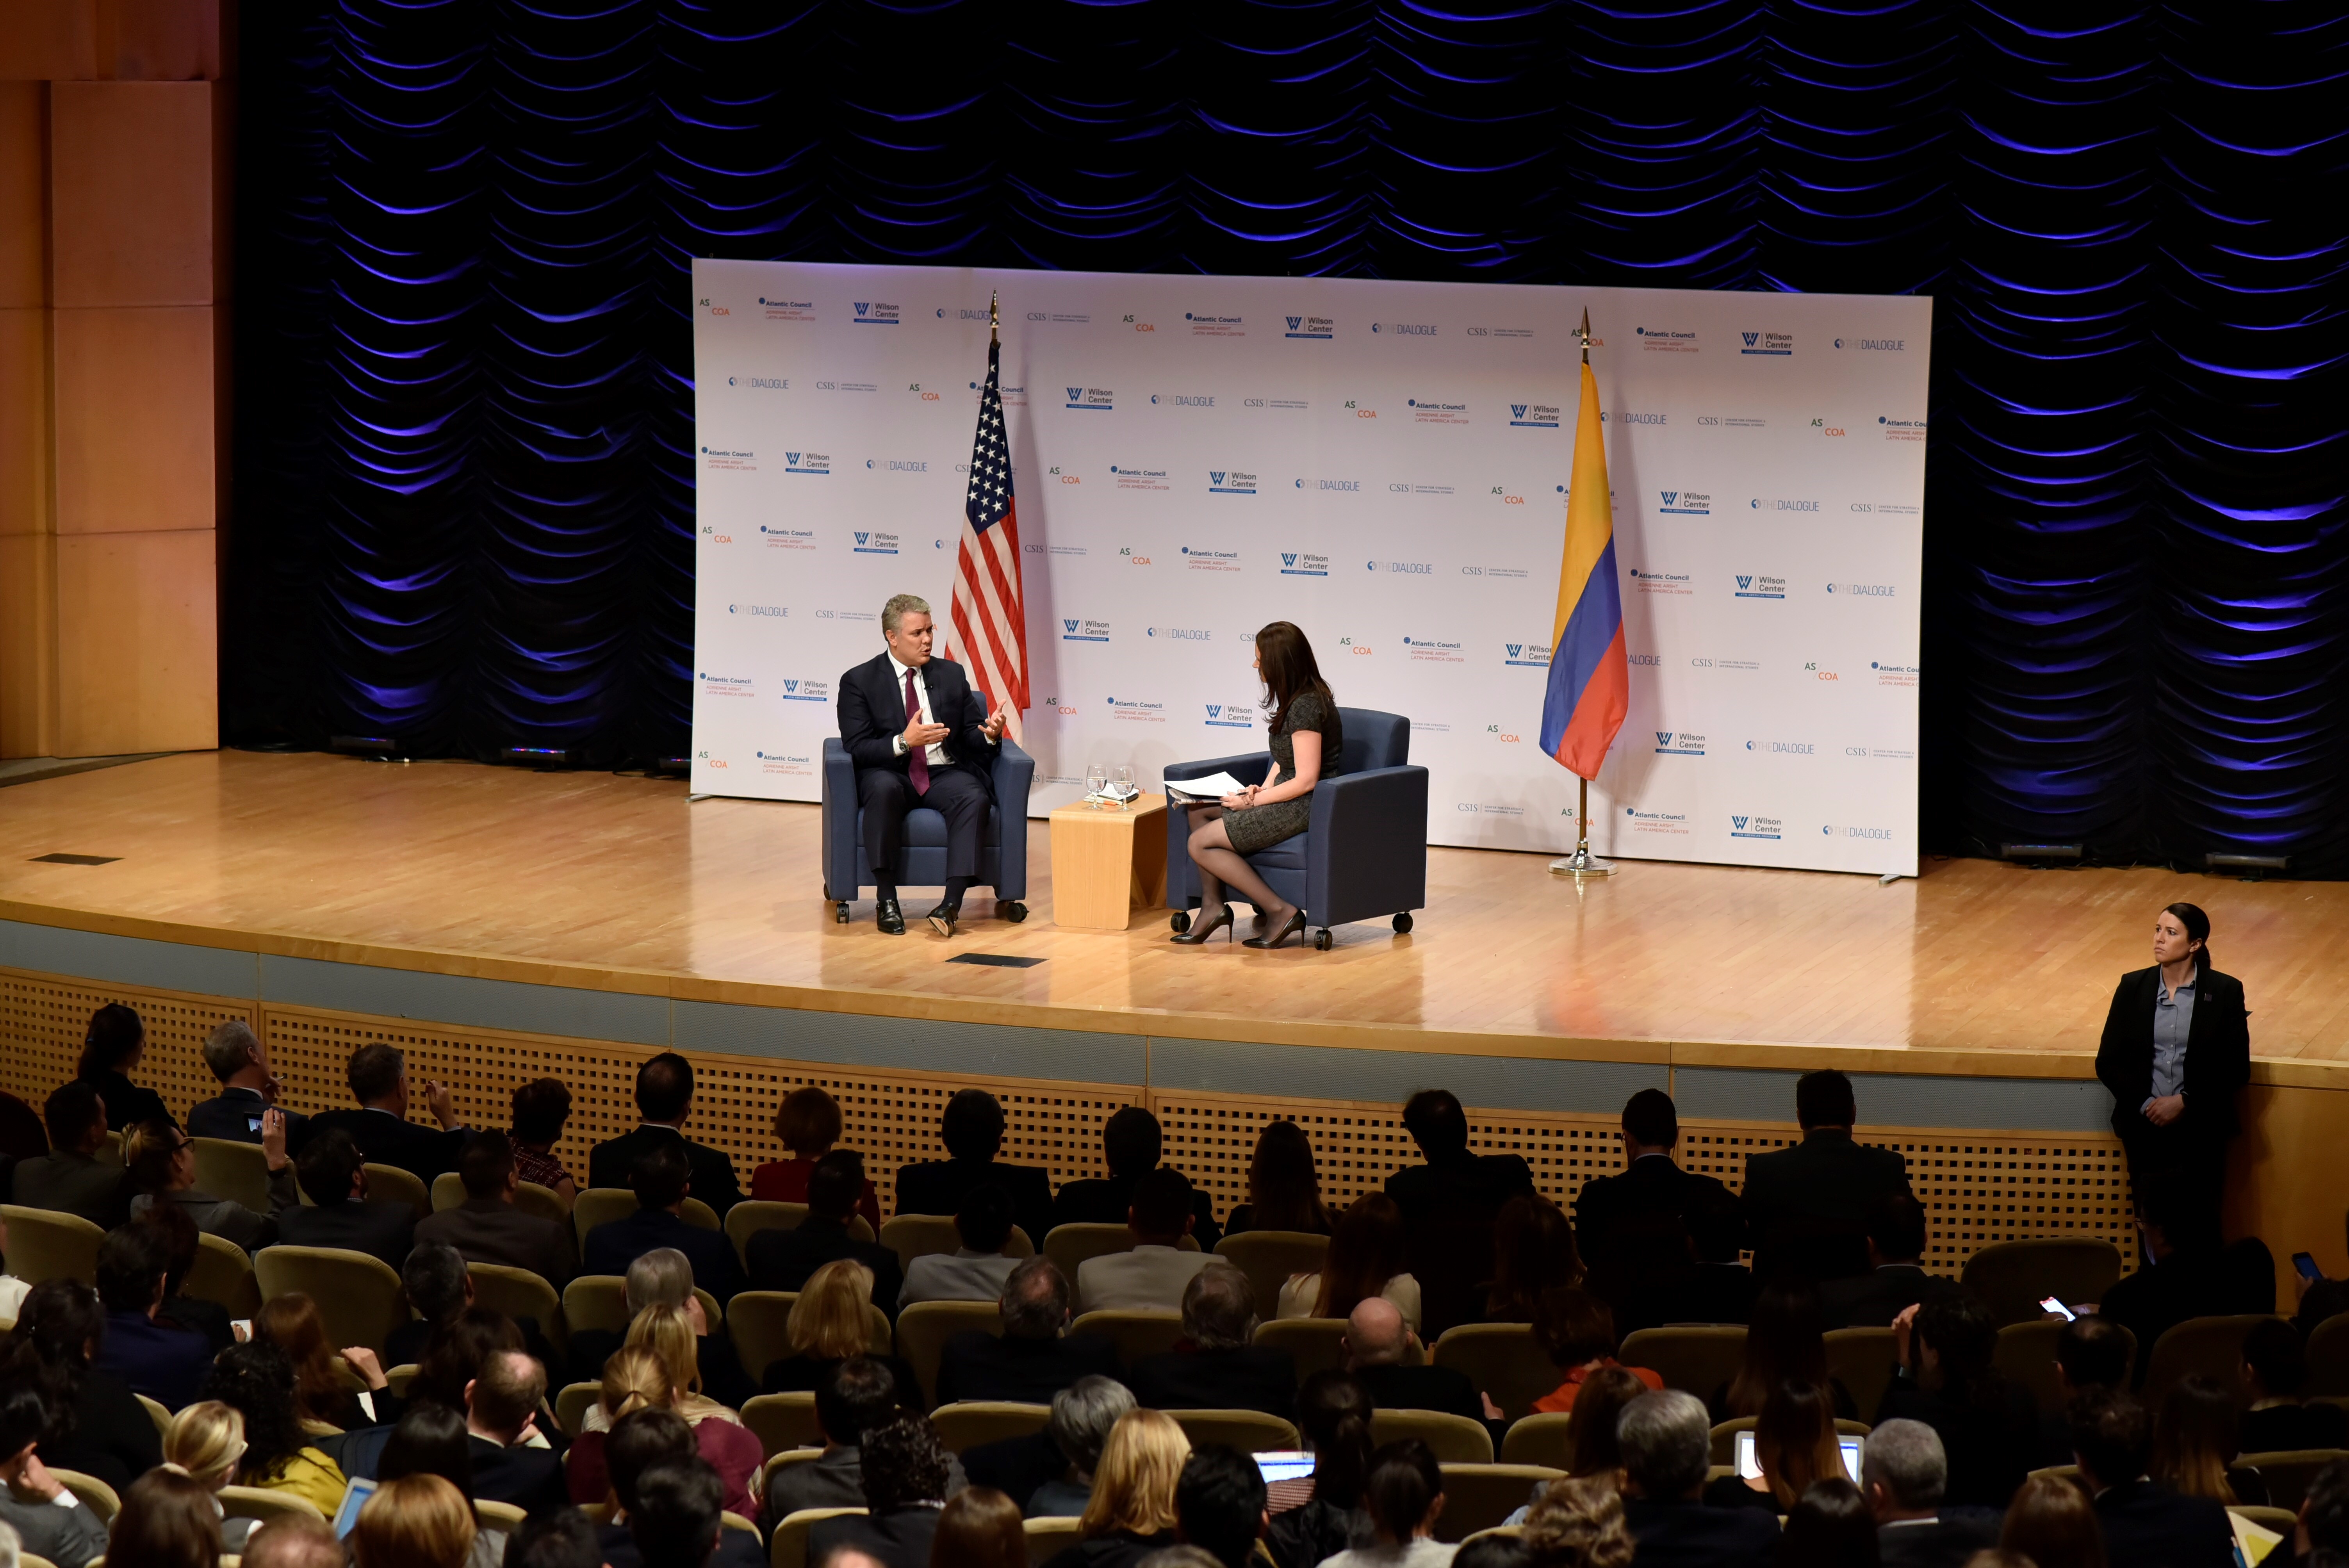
<point x="1107" y="864"/>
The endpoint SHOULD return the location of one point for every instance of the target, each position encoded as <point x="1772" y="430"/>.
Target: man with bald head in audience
<point x="293" y="1541"/>
<point x="1379" y="1344"/>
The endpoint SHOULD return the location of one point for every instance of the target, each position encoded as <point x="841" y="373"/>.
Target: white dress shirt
<point x="937" y="750"/>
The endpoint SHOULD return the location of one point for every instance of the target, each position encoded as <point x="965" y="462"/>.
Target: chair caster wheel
<point x="1322" y="940"/>
<point x="1402" y="923"/>
<point x="1180" y="921"/>
<point x="840" y="912"/>
<point x="1015" y="912"/>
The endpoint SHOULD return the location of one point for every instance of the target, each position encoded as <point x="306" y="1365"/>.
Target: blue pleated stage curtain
<point x="464" y="503"/>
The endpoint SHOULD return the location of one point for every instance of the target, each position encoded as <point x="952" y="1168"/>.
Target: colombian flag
<point x="1589" y="678"/>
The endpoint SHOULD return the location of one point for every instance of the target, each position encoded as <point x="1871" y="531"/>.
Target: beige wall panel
<point x="28" y="672"/>
<point x="135" y="439"/>
<point x="49" y="40"/>
<point x="137" y="666"/>
<point x="160" y="40"/>
<point x="130" y="201"/>
<point x="2288" y="1179"/>
<point x="25" y="423"/>
<point x="24" y="193"/>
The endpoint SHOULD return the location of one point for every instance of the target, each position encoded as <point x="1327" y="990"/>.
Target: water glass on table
<point x="1096" y="779"/>
<point x="1125" y="788"/>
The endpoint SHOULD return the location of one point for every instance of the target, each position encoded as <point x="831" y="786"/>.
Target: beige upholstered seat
<point x="1136" y="1334"/>
<point x="2010" y="1278"/>
<point x="46" y="1245"/>
<point x="969" y="1422"/>
<point x="1251" y="1431"/>
<point x="358" y="1296"/>
<point x="1453" y="1440"/>
<point x="1503" y="1360"/>
<point x="1269" y="1258"/>
<point x="519" y="1293"/>
<point x="782" y="1421"/>
<point x="790" y="1547"/>
<point x="228" y="1168"/>
<point x="924" y="1329"/>
<point x="223" y="1273"/>
<point x="1478" y="1497"/>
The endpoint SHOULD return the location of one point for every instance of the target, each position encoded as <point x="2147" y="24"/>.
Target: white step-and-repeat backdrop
<point x="1383" y="463"/>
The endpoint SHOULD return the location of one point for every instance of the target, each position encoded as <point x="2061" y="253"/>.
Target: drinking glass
<point x="1125" y="787"/>
<point x="1096" y="776"/>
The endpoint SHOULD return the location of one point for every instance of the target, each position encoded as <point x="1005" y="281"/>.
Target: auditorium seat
<point x="2212" y="1346"/>
<point x="1314" y="1343"/>
<point x="782" y="1421"/>
<point x="789" y="1549"/>
<point x="2012" y="1277"/>
<point x="969" y="1422"/>
<point x="1504" y="1361"/>
<point x="1070" y="1246"/>
<point x="1364" y="856"/>
<point x="2328" y="1356"/>
<point x="1135" y="1334"/>
<point x="519" y="1293"/>
<point x="91" y="1493"/>
<point x="228" y="1169"/>
<point x="1269" y="1257"/>
<point x="1695" y="1358"/>
<point x="572" y="1402"/>
<point x="924" y="1329"/>
<point x="600" y="1205"/>
<point x="44" y="1243"/>
<point x="1861" y="1359"/>
<point x="1002" y="846"/>
<point x="1544" y="1437"/>
<point x="358" y="1296"/>
<point x="2286" y="1474"/>
<point x="1453" y="1440"/>
<point x="912" y="1236"/>
<point x="449" y="1193"/>
<point x="1047" y="1538"/>
<point x="1251" y="1431"/>
<point x="2025" y="1355"/>
<point x="1478" y="1497"/>
<point x="222" y="1273"/>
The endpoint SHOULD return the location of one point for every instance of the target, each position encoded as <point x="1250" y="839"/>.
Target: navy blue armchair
<point x="1365" y="854"/>
<point x="1003" y="848"/>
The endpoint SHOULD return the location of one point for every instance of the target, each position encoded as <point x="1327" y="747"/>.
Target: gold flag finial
<point x="1586" y="334"/>
<point x="994" y="317"/>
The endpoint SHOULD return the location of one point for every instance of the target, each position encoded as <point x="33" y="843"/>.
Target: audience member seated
<point x="157" y="1358"/>
<point x="979" y="1526"/>
<point x="432" y="1440"/>
<point x="663" y="1277"/>
<point x="12" y="1289"/>
<point x="111" y="1050"/>
<point x="1035" y="1357"/>
<point x="333" y="1173"/>
<point x="433" y="1278"/>
<point x="2090" y="1353"/>
<point x="675" y="1523"/>
<point x="1806" y="1205"/>
<point x="416" y="1522"/>
<point x="77" y="1176"/>
<point x="1945" y="1378"/>
<point x="541" y="1110"/>
<point x="971" y="1127"/>
<point x="500" y="1406"/>
<point x="1284" y="1189"/>
<point x="556" y="1538"/>
<point x="167" y="1521"/>
<point x="1219" y="1504"/>
<point x="832" y="1190"/>
<point x="1795" y="1443"/>
<point x="1150" y="1276"/>
<point x="1404" y="1496"/>
<point x="160" y="1161"/>
<point x="487" y="1228"/>
<point x="454" y="1356"/>
<point x="861" y="1394"/>
<point x="904" y="1473"/>
<point x="1578" y="1332"/>
<point x="256" y="1381"/>
<point x="1904" y="1474"/>
<point x="248" y="1088"/>
<point x="1377" y="1341"/>
<point x="828" y="1325"/>
<point x="1784" y="1344"/>
<point x="1320" y="1517"/>
<point x="664" y="1100"/>
<point x="1132" y="1513"/>
<point x="669" y="1384"/>
<point x="95" y="1425"/>
<point x="1597" y="1407"/>
<point x="808" y="1123"/>
<point x="1667" y="1444"/>
<point x="206" y="1440"/>
<point x="1131" y="1144"/>
<point x="291" y="1322"/>
<point x="639" y="1441"/>
<point x="296" y="1541"/>
<point x="47" y="1520"/>
<point x="181" y="1246"/>
<point x="2144" y="1524"/>
<point x="2323" y="1519"/>
<point x="1829" y="1523"/>
<point x="1215" y="1366"/>
<point x="1720" y="1288"/>
<point x="976" y="1270"/>
<point x="1896" y="1277"/>
<point x="1576" y="1521"/>
<point x="1083" y="1415"/>
<point x="2050" y="1521"/>
<point x="663" y="1180"/>
<point x="380" y="1128"/>
<point x="1365" y="1259"/>
<point x="2195" y="1440"/>
<point x="1448" y="1206"/>
<point x="1534" y="1250"/>
<point x="2275" y="1385"/>
<point x="1612" y="1210"/>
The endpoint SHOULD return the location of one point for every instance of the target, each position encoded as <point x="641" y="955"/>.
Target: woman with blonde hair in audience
<point x="2052" y="1523"/>
<point x="1365" y="1259"/>
<point x="640" y="1378"/>
<point x="1795" y="1444"/>
<point x="1578" y="1521"/>
<point x="206" y="1443"/>
<point x="292" y="1323"/>
<point x="808" y="1124"/>
<point x="167" y="1521"/>
<point x="1132" y="1513"/>
<point x="832" y="1321"/>
<point x="1283" y="1186"/>
<point x="415" y="1521"/>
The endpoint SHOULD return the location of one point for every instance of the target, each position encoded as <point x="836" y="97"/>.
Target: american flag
<point x="988" y="626"/>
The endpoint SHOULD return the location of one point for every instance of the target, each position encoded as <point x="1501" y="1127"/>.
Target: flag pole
<point x="1582" y="862"/>
<point x="995" y="318"/>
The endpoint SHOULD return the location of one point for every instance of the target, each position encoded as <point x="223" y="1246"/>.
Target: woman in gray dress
<point x="1306" y="742"/>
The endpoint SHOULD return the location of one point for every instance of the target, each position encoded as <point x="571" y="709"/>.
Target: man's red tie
<point x="919" y="756"/>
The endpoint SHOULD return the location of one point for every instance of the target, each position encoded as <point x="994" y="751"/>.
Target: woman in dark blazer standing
<point x="2176" y="1047"/>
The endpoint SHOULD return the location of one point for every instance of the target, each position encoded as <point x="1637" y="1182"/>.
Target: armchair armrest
<point x="1182" y="876"/>
<point x="1250" y="768"/>
<point x="1370" y="845"/>
<point x="839" y="821"/>
<point x="1014" y="773"/>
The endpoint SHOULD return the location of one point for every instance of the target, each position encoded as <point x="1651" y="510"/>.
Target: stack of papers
<point x="1214" y="787"/>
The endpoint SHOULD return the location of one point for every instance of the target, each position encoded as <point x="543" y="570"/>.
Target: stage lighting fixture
<point x="2040" y="851"/>
<point x="539" y="757"/>
<point x="375" y="746"/>
<point x="679" y="766"/>
<point x="2250" y="865"/>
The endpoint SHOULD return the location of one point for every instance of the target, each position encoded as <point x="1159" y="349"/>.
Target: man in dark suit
<point x="664" y="1100"/>
<point x="1377" y="1343"/>
<point x="248" y="1088"/>
<point x="1636" y="1230"/>
<point x="1807" y="1205"/>
<point x="2091" y="1351"/>
<point x="1221" y="1370"/>
<point x="499" y="1404"/>
<point x="334" y="1173"/>
<point x="1034" y="1359"/>
<point x="2184" y="1274"/>
<point x="1896" y="1277"/>
<point x="1667" y="1441"/>
<point x="1902" y="1473"/>
<point x="380" y="1128"/>
<point x="919" y="736"/>
<point x="645" y="1441"/>
<point x="783" y="1260"/>
<point x="972" y="1130"/>
<point x="2145" y="1526"/>
<point x="487" y="1228"/>
<point x="155" y="1357"/>
<point x="1133" y="1141"/>
<point x="77" y="1176"/>
<point x="662" y="1180"/>
<point x="1448" y="1207"/>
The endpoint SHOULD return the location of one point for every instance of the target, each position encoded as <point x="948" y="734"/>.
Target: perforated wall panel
<point x="43" y="1020"/>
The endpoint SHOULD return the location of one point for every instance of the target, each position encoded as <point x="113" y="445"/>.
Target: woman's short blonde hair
<point x="1580" y="1520"/>
<point x="206" y="1439"/>
<point x="1133" y="1485"/>
<point x="830" y="1319"/>
<point x="668" y="1333"/>
<point x="415" y="1521"/>
<point x="636" y="1377"/>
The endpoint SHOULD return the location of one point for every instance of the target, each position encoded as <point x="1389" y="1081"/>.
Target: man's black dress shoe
<point x="889" y="917"/>
<point x="943" y="918"/>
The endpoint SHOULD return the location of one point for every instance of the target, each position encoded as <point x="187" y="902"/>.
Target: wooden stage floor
<point x="620" y="884"/>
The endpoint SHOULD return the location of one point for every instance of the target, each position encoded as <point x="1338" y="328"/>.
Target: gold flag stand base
<point x="1582" y="862"/>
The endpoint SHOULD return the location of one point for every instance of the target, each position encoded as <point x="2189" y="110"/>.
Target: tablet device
<point x="1285" y="1464"/>
<point x="347" y="1516"/>
<point x="1749" y="1461"/>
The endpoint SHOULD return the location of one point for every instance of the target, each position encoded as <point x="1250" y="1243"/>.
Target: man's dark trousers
<point x="956" y="793"/>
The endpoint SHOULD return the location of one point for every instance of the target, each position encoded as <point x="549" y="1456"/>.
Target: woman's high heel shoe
<point x="1203" y="929"/>
<point x="1295" y="926"/>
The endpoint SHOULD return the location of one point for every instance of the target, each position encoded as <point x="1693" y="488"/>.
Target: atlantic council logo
<point x="1077" y="630"/>
<point x="806" y="463"/>
<point x="1685" y="503"/>
<point x="1225" y="715"/>
<point x="1533" y="416"/>
<point x="727" y="686"/>
<point x="1665" y="340"/>
<point x="872" y="543"/>
<point x="1230" y="481"/>
<point x="1132" y="711"/>
<point x="1526" y="655"/>
<point x="1755" y="827"/>
<point x="1091" y="398"/>
<point x="1901" y="429"/>
<point x="1295" y="563"/>
<point x="1679" y="743"/>
<point x="1778" y="344"/>
<point x="1750" y="585"/>
<point x="796" y="689"/>
<point x="1435" y="649"/>
<point x="1198" y="558"/>
<point x="1206" y="325"/>
<point x="872" y="314"/>
<point x="780" y="538"/>
<point x="1311" y="326"/>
